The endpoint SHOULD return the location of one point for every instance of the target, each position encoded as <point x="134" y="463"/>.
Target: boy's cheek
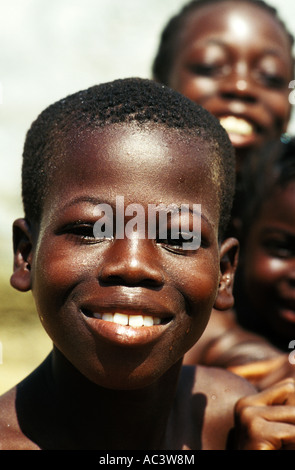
<point x="54" y="269"/>
<point x="202" y="291"/>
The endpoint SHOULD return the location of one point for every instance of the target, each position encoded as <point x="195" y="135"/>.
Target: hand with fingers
<point x="266" y="420"/>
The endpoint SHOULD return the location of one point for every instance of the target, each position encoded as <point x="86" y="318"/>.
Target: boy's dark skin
<point x="106" y="386"/>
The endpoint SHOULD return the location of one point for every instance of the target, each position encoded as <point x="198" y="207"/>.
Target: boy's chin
<point x="128" y="378"/>
<point x="123" y="382"/>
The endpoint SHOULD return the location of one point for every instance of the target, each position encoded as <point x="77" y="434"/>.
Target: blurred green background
<point x="24" y="344"/>
<point x="48" y="50"/>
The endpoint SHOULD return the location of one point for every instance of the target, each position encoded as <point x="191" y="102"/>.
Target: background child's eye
<point x="206" y="70"/>
<point x="273" y="81"/>
<point x="269" y="79"/>
<point x="279" y="249"/>
<point x="209" y="70"/>
<point x="202" y="69"/>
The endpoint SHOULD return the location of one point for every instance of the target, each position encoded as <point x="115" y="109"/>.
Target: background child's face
<point x="235" y="61"/>
<point x="269" y="263"/>
<point x="77" y="278"/>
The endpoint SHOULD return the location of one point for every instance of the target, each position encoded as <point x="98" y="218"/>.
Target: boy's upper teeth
<point x="235" y="125"/>
<point x="131" y="320"/>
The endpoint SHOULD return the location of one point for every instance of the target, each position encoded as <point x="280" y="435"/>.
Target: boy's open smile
<point x="128" y="319"/>
<point x="127" y="329"/>
<point x="131" y="306"/>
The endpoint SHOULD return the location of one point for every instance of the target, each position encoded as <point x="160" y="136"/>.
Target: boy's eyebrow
<point x="89" y="199"/>
<point x="95" y="201"/>
<point x="193" y="212"/>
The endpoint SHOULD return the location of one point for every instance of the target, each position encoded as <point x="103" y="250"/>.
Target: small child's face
<point x="235" y="61"/>
<point x="86" y="289"/>
<point x="269" y="263"/>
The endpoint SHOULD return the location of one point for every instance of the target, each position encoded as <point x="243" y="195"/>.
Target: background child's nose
<point x="132" y="262"/>
<point x="239" y="85"/>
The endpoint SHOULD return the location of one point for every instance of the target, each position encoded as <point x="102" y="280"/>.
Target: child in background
<point x="265" y="287"/>
<point x="235" y="59"/>
<point x="265" y="282"/>
<point x="123" y="310"/>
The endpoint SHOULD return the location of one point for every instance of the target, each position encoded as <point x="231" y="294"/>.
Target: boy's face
<point x="269" y="263"/>
<point x="235" y="61"/>
<point x="81" y="284"/>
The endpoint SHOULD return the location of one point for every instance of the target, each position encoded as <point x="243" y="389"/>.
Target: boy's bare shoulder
<point x="11" y="436"/>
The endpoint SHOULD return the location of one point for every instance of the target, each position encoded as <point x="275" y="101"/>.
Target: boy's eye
<point x="181" y="244"/>
<point x="83" y="232"/>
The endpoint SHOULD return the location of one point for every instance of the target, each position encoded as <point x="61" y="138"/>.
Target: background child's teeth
<point x="236" y="125"/>
<point x="148" y="321"/>
<point x="156" y="321"/>
<point x="108" y="316"/>
<point x="121" y="319"/>
<point x="135" y="320"/>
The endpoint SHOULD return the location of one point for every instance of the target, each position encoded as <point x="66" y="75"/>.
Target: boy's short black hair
<point x="120" y="101"/>
<point x="169" y="40"/>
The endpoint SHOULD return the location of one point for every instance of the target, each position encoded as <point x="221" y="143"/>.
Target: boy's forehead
<point x="140" y="147"/>
<point x="144" y="163"/>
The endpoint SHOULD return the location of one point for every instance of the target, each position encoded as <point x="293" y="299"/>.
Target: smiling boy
<point x="108" y="385"/>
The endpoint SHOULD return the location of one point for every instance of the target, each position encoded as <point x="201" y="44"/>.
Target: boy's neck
<point x="114" y="419"/>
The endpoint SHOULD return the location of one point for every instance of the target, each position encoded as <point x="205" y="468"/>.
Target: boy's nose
<point x="132" y="262"/>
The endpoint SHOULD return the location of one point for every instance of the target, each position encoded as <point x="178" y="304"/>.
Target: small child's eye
<point x="279" y="249"/>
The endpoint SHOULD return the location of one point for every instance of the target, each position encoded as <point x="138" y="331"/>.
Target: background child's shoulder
<point x="212" y="394"/>
<point x="220" y="384"/>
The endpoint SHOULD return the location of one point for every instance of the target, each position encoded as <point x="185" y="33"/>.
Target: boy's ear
<point x="229" y="255"/>
<point x="22" y="247"/>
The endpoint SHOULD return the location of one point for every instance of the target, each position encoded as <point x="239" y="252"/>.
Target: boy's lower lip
<point x="125" y="335"/>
